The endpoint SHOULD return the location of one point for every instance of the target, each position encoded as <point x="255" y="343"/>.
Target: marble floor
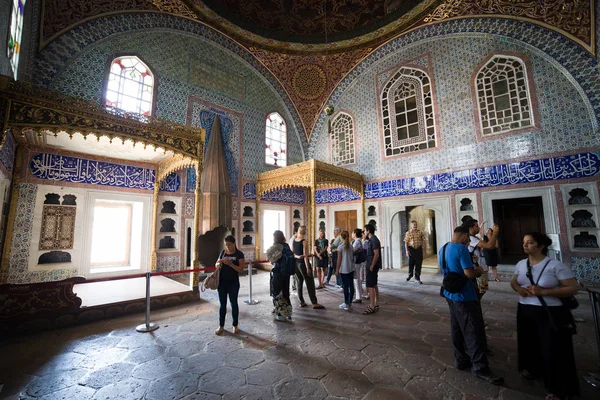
<point x="402" y="352"/>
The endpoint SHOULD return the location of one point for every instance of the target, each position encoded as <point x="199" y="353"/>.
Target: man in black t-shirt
<point x="372" y="268"/>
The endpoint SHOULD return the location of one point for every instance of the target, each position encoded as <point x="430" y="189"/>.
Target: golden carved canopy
<point x="31" y="108"/>
<point x="312" y="174"/>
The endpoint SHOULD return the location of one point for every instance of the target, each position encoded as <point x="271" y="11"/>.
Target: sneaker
<point x="491" y="378"/>
<point x="349" y="307"/>
<point x="419" y="282"/>
<point x="408" y="279"/>
<point x="280" y="318"/>
<point x="343" y="306"/>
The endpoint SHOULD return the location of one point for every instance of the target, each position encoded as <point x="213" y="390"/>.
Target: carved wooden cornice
<point x="42" y="110"/>
<point x="312" y="174"/>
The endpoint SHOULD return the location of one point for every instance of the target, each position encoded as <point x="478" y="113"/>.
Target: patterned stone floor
<point x="402" y="352"/>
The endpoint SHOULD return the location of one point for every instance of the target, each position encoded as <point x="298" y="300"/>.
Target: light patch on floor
<point x="98" y="293"/>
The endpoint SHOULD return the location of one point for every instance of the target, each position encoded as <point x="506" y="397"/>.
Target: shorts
<point x="324" y="263"/>
<point x="371" y="278"/>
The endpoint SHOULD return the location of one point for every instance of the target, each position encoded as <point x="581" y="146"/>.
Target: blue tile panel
<point x="171" y="183"/>
<point x="335" y="195"/>
<point x="566" y="118"/>
<point x="285" y="195"/>
<point x="583" y="165"/>
<point x="586" y="269"/>
<point x="7" y="152"/>
<point x="56" y="167"/>
<point x="190" y="184"/>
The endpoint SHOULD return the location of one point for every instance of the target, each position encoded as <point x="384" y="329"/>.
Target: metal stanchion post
<point x="148" y="326"/>
<point x="593" y="378"/>
<point x="250" y="302"/>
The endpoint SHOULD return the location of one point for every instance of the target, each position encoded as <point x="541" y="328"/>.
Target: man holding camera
<point x="466" y="319"/>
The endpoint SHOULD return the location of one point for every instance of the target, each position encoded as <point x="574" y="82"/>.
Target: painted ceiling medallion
<point x="309" y="82"/>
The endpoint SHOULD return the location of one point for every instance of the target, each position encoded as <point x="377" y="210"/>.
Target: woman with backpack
<point x="345" y="269"/>
<point x="360" y="257"/>
<point x="282" y="258"/>
<point x="230" y="264"/>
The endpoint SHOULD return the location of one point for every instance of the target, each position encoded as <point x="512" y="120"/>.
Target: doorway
<point x="516" y="217"/>
<point x="347" y="220"/>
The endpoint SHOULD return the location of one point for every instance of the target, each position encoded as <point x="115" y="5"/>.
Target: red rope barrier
<point x="185" y="271"/>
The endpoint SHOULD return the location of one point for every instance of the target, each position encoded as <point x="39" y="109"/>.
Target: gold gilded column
<point x="153" y="260"/>
<point x="195" y="278"/>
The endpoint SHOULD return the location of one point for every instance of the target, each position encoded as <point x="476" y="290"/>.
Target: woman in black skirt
<point x="491" y="256"/>
<point x="544" y="325"/>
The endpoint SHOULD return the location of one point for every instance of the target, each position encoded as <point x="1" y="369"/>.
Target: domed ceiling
<point x="313" y="21"/>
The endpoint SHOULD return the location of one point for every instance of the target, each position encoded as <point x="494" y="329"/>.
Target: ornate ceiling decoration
<point x="310" y="79"/>
<point x="310" y="71"/>
<point x="573" y="18"/>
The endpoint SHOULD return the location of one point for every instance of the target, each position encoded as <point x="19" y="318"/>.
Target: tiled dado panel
<point x="21" y="243"/>
<point x="167" y="263"/>
<point x="567" y="116"/>
<point x="75" y="64"/>
<point x="586" y="269"/>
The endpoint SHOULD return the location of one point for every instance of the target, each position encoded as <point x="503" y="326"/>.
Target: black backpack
<point x="287" y="262"/>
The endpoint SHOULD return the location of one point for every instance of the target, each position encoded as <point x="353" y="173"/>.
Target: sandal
<point x="497" y="280"/>
<point x="219" y="331"/>
<point x="369" y="310"/>
<point x="236" y="330"/>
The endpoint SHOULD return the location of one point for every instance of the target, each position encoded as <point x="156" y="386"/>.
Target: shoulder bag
<point x="453" y="282"/>
<point x="212" y="280"/>
<point x="529" y="275"/>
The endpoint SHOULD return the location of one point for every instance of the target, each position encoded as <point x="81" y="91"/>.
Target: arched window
<point x="275" y="141"/>
<point x="408" y="113"/>
<point x="503" y="98"/>
<point x="130" y="86"/>
<point x="14" y="35"/>
<point x="342" y="140"/>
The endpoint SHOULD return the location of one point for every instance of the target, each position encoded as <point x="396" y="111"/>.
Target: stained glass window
<point x="275" y="141"/>
<point x="342" y="140"/>
<point x="503" y="96"/>
<point x="130" y="86"/>
<point x="408" y="113"/>
<point x="14" y="36"/>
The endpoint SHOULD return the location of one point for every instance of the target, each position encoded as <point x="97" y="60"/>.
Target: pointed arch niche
<point x="31" y="113"/>
<point x="310" y="175"/>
